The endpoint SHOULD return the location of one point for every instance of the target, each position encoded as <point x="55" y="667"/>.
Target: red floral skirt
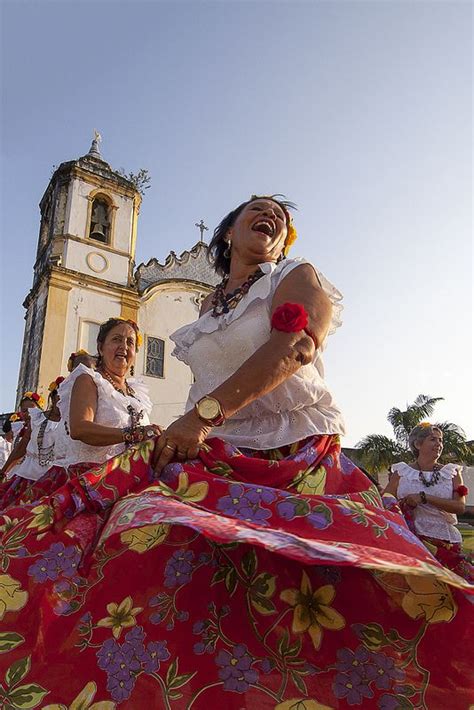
<point x="247" y="579"/>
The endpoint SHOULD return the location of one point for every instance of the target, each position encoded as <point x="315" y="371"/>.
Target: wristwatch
<point x="149" y="433"/>
<point x="210" y="411"/>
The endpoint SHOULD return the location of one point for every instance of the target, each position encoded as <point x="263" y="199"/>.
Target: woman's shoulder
<point x="450" y="470"/>
<point x="404" y="470"/>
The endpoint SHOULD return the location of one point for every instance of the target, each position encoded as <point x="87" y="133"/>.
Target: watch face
<point x="150" y="433"/>
<point x="209" y="409"/>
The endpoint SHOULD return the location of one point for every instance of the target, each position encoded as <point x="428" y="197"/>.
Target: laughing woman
<point x="239" y="559"/>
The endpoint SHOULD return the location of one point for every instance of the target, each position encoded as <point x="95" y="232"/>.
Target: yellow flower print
<point x="44" y="516"/>
<point x="429" y="598"/>
<point x="12" y="597"/>
<point x="84" y="700"/>
<point x="144" y="538"/>
<point x="312" y="612"/>
<point x="121" y="616"/>
<point x="300" y="704"/>
<point x="312" y="481"/>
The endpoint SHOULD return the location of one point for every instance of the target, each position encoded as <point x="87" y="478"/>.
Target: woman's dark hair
<point x="218" y="243"/>
<point x="6" y="426"/>
<point x="106" y="327"/>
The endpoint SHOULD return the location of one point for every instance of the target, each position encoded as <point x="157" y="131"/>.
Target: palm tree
<point x="378" y="452"/>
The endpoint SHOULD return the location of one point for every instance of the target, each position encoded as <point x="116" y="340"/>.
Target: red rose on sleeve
<point x="462" y="491"/>
<point x="290" y="318"/>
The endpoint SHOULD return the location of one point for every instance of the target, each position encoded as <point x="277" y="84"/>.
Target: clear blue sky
<point x="358" y="111"/>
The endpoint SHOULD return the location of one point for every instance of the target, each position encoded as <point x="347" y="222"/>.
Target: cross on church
<point x="202" y="228"/>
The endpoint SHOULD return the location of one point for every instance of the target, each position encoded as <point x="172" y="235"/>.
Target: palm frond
<point x="379" y="452"/>
<point x="455" y="447"/>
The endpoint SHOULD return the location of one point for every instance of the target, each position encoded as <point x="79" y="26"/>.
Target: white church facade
<point x="85" y="273"/>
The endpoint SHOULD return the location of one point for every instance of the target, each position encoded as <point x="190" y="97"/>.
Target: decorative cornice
<point x="195" y="265"/>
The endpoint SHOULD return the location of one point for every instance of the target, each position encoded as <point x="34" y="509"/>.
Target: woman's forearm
<point x="453" y="505"/>
<point x="273" y="363"/>
<point x="96" y="434"/>
<point x="18" y="452"/>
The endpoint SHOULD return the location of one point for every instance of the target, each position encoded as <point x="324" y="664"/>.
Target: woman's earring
<point x="132" y="371"/>
<point x="227" y="252"/>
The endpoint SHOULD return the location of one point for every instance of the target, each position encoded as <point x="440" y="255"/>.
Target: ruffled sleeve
<point x="262" y="290"/>
<point x="450" y="470"/>
<point x="104" y="389"/>
<point x="65" y="388"/>
<point x="405" y="471"/>
<point x="36" y="417"/>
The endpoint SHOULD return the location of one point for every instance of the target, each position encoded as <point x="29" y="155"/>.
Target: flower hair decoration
<point x="73" y="356"/>
<point x="55" y="384"/>
<point x="135" y="328"/>
<point x="34" y="397"/>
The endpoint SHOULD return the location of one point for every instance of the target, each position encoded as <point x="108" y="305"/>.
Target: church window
<point x="155" y="357"/>
<point x="100" y="221"/>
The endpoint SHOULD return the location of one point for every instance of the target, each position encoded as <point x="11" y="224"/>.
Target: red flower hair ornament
<point x="291" y="318"/>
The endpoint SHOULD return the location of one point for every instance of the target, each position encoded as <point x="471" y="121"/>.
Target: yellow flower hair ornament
<point x="55" y="384"/>
<point x="34" y="397"/>
<point x="73" y="356"/>
<point x="291" y="237"/>
<point x="425" y="424"/>
<point x="15" y="417"/>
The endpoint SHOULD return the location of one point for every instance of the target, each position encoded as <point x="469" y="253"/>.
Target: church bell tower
<point x="83" y="272"/>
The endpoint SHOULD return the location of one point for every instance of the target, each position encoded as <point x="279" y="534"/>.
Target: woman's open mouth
<point x="264" y="226"/>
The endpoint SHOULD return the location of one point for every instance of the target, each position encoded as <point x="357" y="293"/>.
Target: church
<point x="85" y="272"/>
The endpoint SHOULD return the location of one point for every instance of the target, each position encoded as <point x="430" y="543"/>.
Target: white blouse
<point x="430" y="521"/>
<point x="36" y="461"/>
<point x="111" y="411"/>
<point x="215" y="348"/>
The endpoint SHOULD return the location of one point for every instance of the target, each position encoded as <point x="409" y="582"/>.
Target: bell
<point x="98" y="233"/>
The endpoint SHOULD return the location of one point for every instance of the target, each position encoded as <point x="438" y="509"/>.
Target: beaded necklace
<point x="434" y="478"/>
<point x="223" y="302"/>
<point x="45" y="454"/>
<point x="128" y="390"/>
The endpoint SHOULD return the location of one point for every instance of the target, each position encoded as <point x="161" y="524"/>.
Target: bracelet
<point x="423" y="497"/>
<point x="133" y="435"/>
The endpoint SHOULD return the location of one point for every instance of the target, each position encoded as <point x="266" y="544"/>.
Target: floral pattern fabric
<point x="251" y="579"/>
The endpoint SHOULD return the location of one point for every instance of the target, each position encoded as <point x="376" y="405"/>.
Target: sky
<point x="360" y="112"/>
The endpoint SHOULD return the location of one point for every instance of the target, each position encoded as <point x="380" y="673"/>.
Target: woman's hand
<point x="413" y="499"/>
<point x="181" y="440"/>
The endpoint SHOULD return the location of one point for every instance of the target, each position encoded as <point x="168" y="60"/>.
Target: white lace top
<point x="111" y="411"/>
<point x="430" y="521"/>
<point x="215" y="348"/>
<point x="35" y="462"/>
<point x="5" y="450"/>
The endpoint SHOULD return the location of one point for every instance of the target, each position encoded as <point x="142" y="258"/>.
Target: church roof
<point x="193" y="265"/>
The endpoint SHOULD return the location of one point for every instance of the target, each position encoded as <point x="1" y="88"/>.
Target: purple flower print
<point x="108" y="656"/>
<point x="267" y="665"/>
<point x="121" y="686"/>
<point x="351" y="686"/>
<point x="57" y="561"/>
<point x="235" y="669"/>
<point x="359" y="660"/>
<point x="207" y="630"/>
<point x="245" y="503"/>
<point x="171" y="473"/>
<point x="135" y="637"/>
<point x="388" y="702"/>
<point x="156" y="651"/>
<point x="320" y="517"/>
<point x="386" y="671"/>
<point x="179" y="568"/>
